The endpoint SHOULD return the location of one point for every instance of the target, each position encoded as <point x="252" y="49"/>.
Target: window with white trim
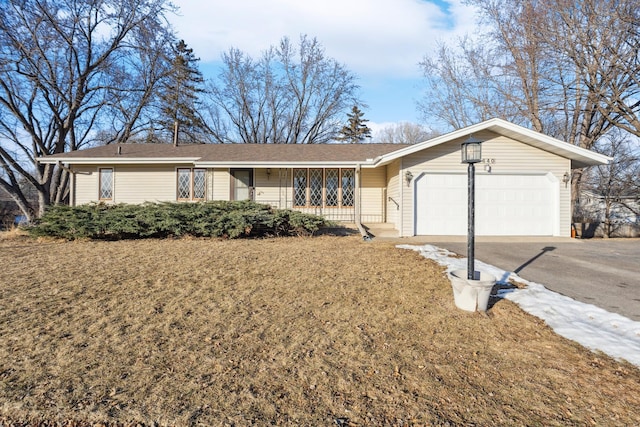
<point x="192" y="184"/>
<point x="323" y="187"/>
<point x="105" y="178"/>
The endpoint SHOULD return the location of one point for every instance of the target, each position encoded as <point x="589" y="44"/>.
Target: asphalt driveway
<point x="602" y="272"/>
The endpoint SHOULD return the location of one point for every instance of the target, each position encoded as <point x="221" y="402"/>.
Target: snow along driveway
<point x="603" y="272"/>
<point x="591" y="326"/>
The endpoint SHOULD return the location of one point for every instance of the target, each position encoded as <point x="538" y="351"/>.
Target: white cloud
<point x="372" y="37"/>
<point x="377" y="127"/>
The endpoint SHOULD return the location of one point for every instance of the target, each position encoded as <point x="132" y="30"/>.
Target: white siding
<point x="221" y="184"/>
<point x="86" y="184"/>
<point x="372" y="195"/>
<point x="209" y="195"/>
<point x="285" y="184"/>
<point x="267" y="186"/>
<point x="510" y="157"/>
<point x="393" y="194"/>
<point x="131" y="183"/>
<point x="141" y="183"/>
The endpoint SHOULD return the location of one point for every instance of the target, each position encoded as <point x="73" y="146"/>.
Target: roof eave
<point x="277" y="164"/>
<point x="584" y="163"/>
<point x="116" y="160"/>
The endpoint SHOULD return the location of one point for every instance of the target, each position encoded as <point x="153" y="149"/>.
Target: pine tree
<point x="356" y="129"/>
<point x="180" y="103"/>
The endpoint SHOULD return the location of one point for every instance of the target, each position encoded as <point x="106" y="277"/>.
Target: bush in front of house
<point x="229" y="219"/>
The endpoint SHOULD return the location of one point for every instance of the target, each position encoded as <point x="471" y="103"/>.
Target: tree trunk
<point x="576" y="181"/>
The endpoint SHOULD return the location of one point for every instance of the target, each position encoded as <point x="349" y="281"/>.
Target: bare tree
<point x="69" y="71"/>
<point x="616" y="184"/>
<point x="521" y="70"/>
<point x="606" y="39"/>
<point x="289" y="96"/>
<point x="542" y="64"/>
<point x="404" y="133"/>
<point x="475" y="80"/>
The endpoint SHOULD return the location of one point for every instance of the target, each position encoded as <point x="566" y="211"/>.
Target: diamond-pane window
<point x="348" y="186"/>
<point x="332" y="182"/>
<point x="300" y="187"/>
<point x="106" y="184"/>
<point x="199" y="183"/>
<point x="324" y="187"/>
<point x="315" y="187"/>
<point x="184" y="184"/>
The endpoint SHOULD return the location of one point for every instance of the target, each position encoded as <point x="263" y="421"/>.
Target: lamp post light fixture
<point x="472" y="151"/>
<point x="471" y="154"/>
<point x="472" y="293"/>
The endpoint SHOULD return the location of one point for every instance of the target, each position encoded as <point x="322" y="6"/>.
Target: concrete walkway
<point x="602" y="272"/>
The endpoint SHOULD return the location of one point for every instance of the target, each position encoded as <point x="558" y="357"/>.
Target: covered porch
<point x="336" y="193"/>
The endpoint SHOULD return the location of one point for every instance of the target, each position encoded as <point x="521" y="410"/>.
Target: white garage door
<point x="506" y="205"/>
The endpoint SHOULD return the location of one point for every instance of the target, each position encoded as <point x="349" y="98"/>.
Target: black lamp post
<point x="471" y="154"/>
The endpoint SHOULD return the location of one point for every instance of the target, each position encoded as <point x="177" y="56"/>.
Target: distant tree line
<point x="292" y="94"/>
<point x="405" y="133"/>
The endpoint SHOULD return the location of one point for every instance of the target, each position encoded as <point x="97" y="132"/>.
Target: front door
<point x="242" y="184"/>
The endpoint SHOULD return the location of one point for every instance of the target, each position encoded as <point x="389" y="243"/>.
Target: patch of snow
<point x="591" y="326"/>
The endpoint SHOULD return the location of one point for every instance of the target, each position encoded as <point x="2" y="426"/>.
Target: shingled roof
<point x="287" y="155"/>
<point x="229" y="153"/>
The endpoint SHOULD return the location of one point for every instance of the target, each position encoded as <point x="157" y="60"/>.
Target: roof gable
<point x="579" y="157"/>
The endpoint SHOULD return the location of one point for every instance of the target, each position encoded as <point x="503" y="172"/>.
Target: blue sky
<point x="381" y="41"/>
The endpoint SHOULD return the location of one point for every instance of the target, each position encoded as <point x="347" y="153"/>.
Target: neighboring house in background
<point x="622" y="210"/>
<point x="420" y="189"/>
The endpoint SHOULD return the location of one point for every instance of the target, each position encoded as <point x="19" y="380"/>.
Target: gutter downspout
<point x="364" y="233"/>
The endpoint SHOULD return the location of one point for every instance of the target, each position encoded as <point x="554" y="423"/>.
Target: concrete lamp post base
<point x="471" y="295"/>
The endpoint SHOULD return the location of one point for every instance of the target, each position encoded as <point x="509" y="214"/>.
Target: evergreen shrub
<point x="228" y="219"/>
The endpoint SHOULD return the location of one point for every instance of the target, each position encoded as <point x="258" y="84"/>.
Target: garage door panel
<point x="505" y="205"/>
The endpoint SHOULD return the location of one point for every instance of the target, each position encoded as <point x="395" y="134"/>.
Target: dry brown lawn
<point x="292" y="331"/>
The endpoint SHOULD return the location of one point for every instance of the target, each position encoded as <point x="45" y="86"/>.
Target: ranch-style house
<point x="522" y="186"/>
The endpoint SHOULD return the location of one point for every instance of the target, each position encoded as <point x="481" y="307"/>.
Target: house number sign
<point x="488" y="161"/>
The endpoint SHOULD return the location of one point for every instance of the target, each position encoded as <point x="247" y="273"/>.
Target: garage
<point x="506" y="204"/>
